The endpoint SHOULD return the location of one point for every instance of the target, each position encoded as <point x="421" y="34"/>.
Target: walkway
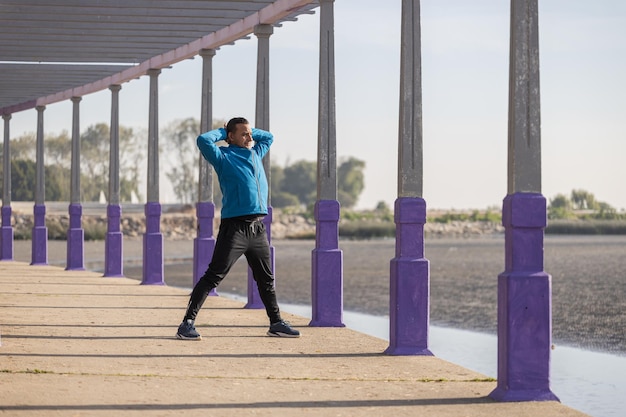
<point x="75" y="343"/>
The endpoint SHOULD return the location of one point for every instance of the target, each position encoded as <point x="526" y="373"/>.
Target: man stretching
<point x="239" y="168"/>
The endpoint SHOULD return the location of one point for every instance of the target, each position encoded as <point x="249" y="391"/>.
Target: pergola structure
<point x="52" y="51"/>
<point x="85" y="46"/>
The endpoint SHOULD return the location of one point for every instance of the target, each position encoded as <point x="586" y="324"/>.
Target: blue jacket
<point x="240" y="171"/>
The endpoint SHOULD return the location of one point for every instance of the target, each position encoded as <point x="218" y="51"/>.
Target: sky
<point x="465" y="54"/>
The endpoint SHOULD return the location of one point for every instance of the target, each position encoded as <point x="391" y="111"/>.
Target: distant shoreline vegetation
<point x="578" y="214"/>
<point x="358" y="225"/>
<point x="586" y="227"/>
<point x="581" y="214"/>
<point x="368" y="225"/>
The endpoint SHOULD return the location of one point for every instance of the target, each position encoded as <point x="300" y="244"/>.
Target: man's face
<point x="242" y="136"/>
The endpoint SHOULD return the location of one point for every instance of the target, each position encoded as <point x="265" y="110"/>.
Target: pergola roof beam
<point x="145" y="33"/>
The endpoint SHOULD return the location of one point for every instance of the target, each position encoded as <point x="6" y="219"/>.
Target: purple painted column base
<point x="204" y="243"/>
<point x="254" y="299"/>
<point x="75" y="239"/>
<point x="327" y="267"/>
<point x="524" y="304"/>
<point x="39" y="236"/>
<point x="409" y="289"/>
<point x="6" y="235"/>
<point x="113" y="244"/>
<point x="153" y="247"/>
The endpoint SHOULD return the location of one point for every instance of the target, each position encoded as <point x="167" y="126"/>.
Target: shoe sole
<point x="279" y="334"/>
<point x="181" y="337"/>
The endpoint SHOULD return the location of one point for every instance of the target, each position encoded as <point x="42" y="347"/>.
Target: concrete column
<point x="262" y="121"/>
<point x="6" y="248"/>
<point x="262" y="111"/>
<point x="114" y="146"/>
<point x="75" y="233"/>
<point x="409" y="271"/>
<point x="327" y="258"/>
<point x="39" y="237"/>
<point x="153" y="239"/>
<point x="524" y="288"/>
<point x="204" y="243"/>
<point x="113" y="245"/>
<point x="75" y="168"/>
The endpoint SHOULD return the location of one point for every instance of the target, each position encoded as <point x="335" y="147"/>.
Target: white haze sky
<point x="465" y="52"/>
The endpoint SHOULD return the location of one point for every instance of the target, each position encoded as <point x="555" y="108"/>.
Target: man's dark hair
<point x="231" y="126"/>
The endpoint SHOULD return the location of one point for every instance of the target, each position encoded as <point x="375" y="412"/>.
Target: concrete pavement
<point x="77" y="344"/>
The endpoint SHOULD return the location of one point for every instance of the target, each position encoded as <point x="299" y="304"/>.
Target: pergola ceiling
<point x="51" y="50"/>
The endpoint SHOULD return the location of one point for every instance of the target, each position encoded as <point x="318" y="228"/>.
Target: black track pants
<point x="236" y="238"/>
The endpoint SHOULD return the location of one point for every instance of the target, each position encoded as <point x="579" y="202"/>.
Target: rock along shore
<point x="183" y="225"/>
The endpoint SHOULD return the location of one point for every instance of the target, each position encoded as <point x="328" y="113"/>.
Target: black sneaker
<point x="282" y="329"/>
<point x="186" y="331"/>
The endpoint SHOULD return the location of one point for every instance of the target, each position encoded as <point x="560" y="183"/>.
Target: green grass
<point x="586" y="227"/>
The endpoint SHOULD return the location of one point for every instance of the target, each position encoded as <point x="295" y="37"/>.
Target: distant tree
<point x="56" y="169"/>
<point x="581" y="204"/>
<point x="383" y="207"/>
<point x="94" y="161"/>
<point x="280" y="198"/>
<point x="23" y="181"/>
<point x="301" y="180"/>
<point x="95" y="143"/>
<point x="350" y="181"/>
<point x="560" y="201"/>
<point x="560" y="207"/>
<point x="605" y="211"/>
<point x="57" y="180"/>
<point x="23" y="147"/>
<point x="58" y="150"/>
<point x="58" y="154"/>
<point x="132" y="154"/>
<point x="583" y="200"/>
<point x="180" y="141"/>
<point x="217" y="191"/>
<point x="276" y="178"/>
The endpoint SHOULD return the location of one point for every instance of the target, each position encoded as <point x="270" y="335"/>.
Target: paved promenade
<point x="77" y="344"/>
